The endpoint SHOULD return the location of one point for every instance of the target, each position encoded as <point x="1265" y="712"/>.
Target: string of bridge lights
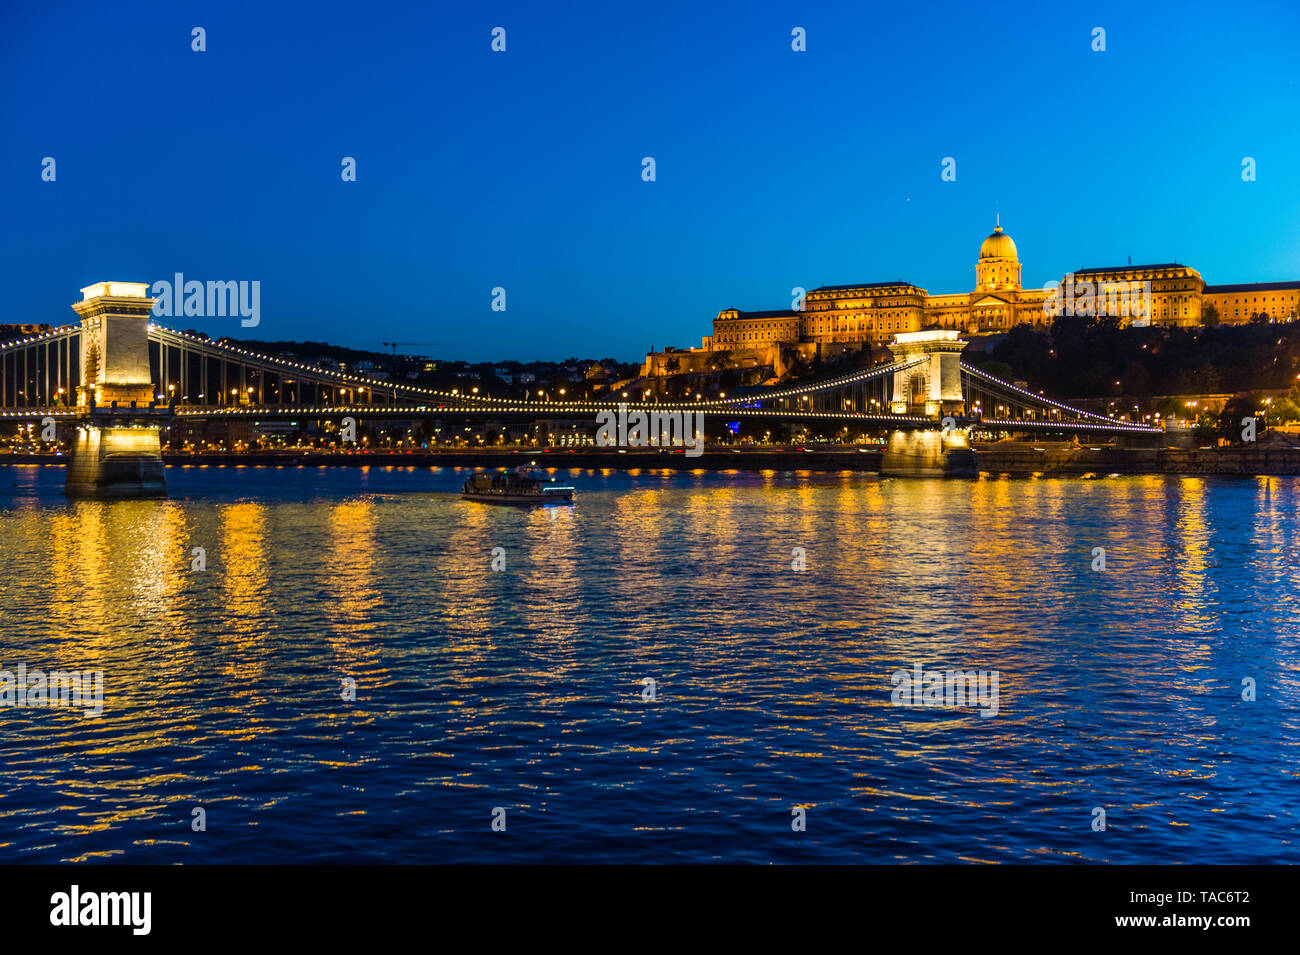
<point x="1110" y="425"/>
<point x="372" y="411"/>
<point x="162" y="332"/>
<point x="63" y="331"/>
<point x="366" y="383"/>
<point x="505" y="405"/>
<point x="1029" y="394"/>
<point x="824" y="386"/>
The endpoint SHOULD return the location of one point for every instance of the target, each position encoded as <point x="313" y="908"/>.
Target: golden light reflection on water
<point x="350" y="575"/>
<point x="1269" y="519"/>
<point x="638" y="533"/>
<point x="158" y="558"/>
<point x="554" y="574"/>
<point x="462" y="601"/>
<point x="1192" y="550"/>
<point x="245" y="583"/>
<point x="714" y="514"/>
<point x="71" y="573"/>
<point x="770" y="670"/>
<point x="974" y="543"/>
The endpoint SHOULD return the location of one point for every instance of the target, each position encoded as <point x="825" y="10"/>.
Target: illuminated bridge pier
<point x="117" y="450"/>
<point x="930" y="383"/>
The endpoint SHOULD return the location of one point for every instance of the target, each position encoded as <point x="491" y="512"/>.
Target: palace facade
<point x="1164" y="294"/>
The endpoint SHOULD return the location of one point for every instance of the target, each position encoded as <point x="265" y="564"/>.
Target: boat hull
<point x="525" y="500"/>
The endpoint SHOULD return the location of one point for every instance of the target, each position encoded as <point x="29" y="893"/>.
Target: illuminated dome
<point x="999" y="245"/>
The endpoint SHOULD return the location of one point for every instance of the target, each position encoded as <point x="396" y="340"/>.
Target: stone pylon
<point x="117" y="450"/>
<point x="932" y="388"/>
<point x="934" y="385"/>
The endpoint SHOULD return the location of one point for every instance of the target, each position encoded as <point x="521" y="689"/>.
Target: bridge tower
<point x="935" y="384"/>
<point x="933" y="388"/>
<point x="117" y="451"/>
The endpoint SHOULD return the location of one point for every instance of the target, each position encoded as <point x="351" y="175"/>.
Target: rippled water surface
<point x="523" y="689"/>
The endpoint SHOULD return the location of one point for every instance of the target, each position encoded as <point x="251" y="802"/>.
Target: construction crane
<point x="394" y="345"/>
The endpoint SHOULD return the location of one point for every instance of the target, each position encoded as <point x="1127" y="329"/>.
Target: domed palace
<point x="1165" y="294"/>
<point x="999" y="263"/>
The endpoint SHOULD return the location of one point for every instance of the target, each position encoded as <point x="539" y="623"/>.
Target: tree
<point x="1238" y="408"/>
<point x="1284" y="410"/>
<point x="999" y="369"/>
<point x="1210" y="314"/>
<point x="1137" y="381"/>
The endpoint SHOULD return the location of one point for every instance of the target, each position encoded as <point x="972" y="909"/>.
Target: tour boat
<point x="522" y="485"/>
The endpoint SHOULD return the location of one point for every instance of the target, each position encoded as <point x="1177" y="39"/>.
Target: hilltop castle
<point x="850" y="315"/>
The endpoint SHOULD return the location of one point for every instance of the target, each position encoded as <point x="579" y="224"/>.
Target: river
<point x="646" y="676"/>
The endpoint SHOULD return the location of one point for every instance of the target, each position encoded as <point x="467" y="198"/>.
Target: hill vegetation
<point x="1095" y="358"/>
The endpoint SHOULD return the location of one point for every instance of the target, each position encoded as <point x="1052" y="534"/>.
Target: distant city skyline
<point x="522" y="169"/>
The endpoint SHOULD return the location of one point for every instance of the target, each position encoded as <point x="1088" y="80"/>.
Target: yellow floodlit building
<point x="1164" y="294"/>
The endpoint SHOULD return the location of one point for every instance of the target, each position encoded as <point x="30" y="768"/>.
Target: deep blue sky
<point x="522" y="169"/>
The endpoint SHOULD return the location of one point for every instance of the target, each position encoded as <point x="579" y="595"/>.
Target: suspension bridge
<point x="118" y="373"/>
